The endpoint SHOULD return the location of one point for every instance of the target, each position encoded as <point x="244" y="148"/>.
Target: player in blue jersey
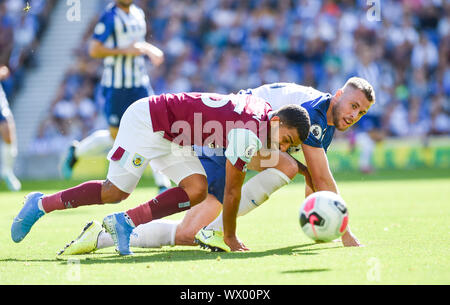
<point x="327" y="113"/>
<point x="8" y="149"/>
<point x="119" y="39"/>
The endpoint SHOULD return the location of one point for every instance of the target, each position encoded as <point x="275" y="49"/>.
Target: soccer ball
<point x="323" y="216"/>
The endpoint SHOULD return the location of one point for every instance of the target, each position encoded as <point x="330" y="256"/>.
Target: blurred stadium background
<point x="401" y="47"/>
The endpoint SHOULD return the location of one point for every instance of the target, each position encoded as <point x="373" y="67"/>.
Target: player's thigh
<point x="135" y="145"/>
<point x="196" y="218"/>
<point x="121" y="178"/>
<point x="183" y="167"/>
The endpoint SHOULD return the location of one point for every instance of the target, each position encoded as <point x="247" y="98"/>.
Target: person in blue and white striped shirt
<point x="118" y="38"/>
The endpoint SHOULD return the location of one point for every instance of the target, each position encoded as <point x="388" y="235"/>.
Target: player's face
<point x="351" y="105"/>
<point x="284" y="137"/>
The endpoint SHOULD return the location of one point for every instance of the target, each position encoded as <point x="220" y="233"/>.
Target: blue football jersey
<point x="314" y="101"/>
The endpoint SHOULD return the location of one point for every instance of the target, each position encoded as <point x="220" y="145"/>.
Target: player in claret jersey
<point x="327" y="112"/>
<point x="161" y="130"/>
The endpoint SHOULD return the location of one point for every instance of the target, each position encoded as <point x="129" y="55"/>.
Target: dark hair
<point x="295" y="116"/>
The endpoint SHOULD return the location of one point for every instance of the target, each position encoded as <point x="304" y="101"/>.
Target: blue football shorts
<point x="214" y="164"/>
<point x="118" y="100"/>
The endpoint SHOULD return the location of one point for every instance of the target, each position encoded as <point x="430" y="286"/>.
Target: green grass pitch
<point x="402" y="218"/>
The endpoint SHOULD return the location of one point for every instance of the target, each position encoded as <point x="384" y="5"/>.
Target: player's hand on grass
<point x="235" y="244"/>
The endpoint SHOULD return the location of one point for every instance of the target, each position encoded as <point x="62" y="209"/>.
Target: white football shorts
<point x="137" y="145"/>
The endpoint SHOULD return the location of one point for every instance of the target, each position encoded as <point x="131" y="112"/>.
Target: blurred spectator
<point x="424" y="54"/>
<point x="227" y="45"/>
<point x="20" y="33"/>
<point x="440" y="119"/>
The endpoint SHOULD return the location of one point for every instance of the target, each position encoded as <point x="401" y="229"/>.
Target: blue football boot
<point x="29" y="214"/>
<point x="120" y="230"/>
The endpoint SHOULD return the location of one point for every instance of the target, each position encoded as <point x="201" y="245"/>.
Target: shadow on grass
<point x="192" y="254"/>
<point x="170" y="255"/>
<point x="305" y="271"/>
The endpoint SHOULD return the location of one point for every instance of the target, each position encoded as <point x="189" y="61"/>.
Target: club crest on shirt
<point x="316" y="131"/>
<point x="138" y="160"/>
<point x="250" y="151"/>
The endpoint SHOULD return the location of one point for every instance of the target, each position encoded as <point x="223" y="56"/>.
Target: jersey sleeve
<point x="315" y="136"/>
<point x="104" y="27"/>
<point x="242" y="146"/>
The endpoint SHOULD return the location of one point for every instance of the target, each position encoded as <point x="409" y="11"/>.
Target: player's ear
<point x="275" y="118"/>
<point x="275" y="121"/>
<point x="339" y="92"/>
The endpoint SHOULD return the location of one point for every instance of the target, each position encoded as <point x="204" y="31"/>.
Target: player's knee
<point x="112" y="194"/>
<point x="197" y="194"/>
<point x="7" y="139"/>
<point x="5" y="132"/>
<point x="114" y="197"/>
<point x="196" y="187"/>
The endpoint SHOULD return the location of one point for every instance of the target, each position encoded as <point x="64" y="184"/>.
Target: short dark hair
<point x="295" y="116"/>
<point x="363" y="85"/>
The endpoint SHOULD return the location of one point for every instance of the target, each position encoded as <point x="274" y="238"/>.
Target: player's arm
<point x="98" y="50"/>
<point x="155" y="54"/>
<point x="103" y="30"/>
<point x="242" y="145"/>
<point x="303" y="170"/>
<point x="317" y="162"/>
<point x="234" y="180"/>
<point x="322" y="180"/>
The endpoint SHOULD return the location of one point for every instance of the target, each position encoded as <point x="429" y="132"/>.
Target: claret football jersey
<point x="238" y="123"/>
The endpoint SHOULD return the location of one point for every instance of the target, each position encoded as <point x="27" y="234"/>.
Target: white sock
<point x="254" y="193"/>
<point x="104" y="240"/>
<point x="154" y="234"/>
<point x="8" y="156"/>
<point x="98" y="143"/>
